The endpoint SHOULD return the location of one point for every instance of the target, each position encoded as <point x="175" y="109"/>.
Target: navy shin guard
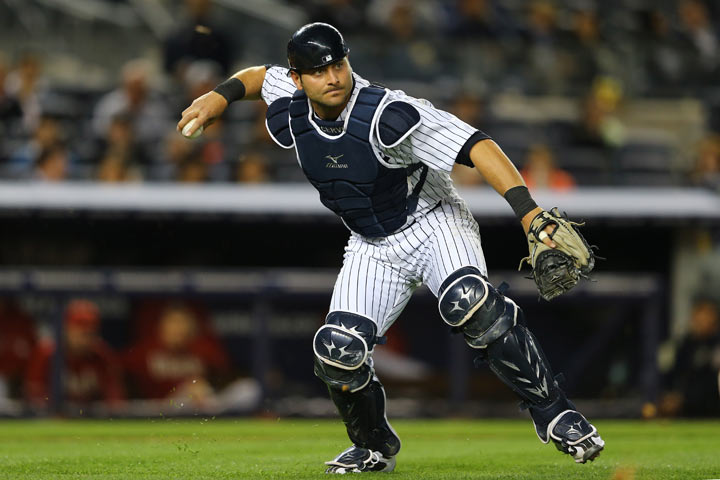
<point x="363" y="413"/>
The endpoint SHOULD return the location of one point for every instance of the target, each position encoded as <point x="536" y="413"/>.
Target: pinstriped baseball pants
<point x="379" y="275"/>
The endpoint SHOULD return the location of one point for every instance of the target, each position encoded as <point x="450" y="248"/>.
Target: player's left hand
<point x="559" y="254"/>
<point x="527" y="221"/>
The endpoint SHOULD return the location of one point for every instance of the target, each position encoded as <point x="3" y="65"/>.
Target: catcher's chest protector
<point x="371" y="199"/>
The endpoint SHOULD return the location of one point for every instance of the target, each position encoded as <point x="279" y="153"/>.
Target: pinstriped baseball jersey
<point x="379" y="274"/>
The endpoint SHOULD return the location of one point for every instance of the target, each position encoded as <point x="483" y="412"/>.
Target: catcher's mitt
<point x="557" y="270"/>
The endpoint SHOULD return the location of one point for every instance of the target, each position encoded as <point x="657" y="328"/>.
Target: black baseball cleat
<point x="359" y="460"/>
<point x="573" y="434"/>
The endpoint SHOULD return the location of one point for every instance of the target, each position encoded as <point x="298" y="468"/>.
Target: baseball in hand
<point x="186" y="129"/>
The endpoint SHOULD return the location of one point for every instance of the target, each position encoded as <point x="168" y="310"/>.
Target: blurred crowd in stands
<point x="463" y="55"/>
<point x="173" y="360"/>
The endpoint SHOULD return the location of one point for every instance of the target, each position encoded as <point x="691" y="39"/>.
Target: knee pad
<point x="461" y="294"/>
<point x="468" y="302"/>
<point x="342" y="347"/>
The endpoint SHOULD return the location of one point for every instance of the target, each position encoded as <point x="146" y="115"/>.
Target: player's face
<point x="328" y="86"/>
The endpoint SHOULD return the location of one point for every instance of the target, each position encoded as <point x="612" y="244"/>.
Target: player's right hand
<point x="205" y="108"/>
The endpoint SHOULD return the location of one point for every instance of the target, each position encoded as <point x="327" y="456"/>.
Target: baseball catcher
<point x="380" y="160"/>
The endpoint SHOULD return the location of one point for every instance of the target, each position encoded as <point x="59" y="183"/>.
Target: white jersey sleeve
<point x="277" y="84"/>
<point x="436" y="142"/>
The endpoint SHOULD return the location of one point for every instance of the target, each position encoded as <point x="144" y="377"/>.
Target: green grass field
<point x="295" y="449"/>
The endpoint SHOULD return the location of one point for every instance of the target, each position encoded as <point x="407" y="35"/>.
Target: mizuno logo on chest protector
<point x="333" y="163"/>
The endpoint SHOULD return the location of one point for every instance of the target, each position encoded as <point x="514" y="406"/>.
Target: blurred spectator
<point x="17" y="342"/>
<point x="585" y="48"/>
<point x="177" y="148"/>
<point x="134" y="100"/>
<point x="115" y="169"/>
<point x="199" y="77"/>
<point x="252" y="168"/>
<point x="694" y="378"/>
<point x="211" y="145"/>
<point x="46" y="135"/>
<point x="25" y="84"/>
<point x="543" y="73"/>
<point x="191" y="161"/>
<point x="425" y="15"/>
<point x="119" y="142"/>
<point x="706" y="172"/>
<point x="599" y="127"/>
<point x="10" y="110"/>
<point x="179" y="359"/>
<point x="540" y="171"/>
<point x="52" y="164"/>
<point x="477" y="19"/>
<point x="192" y="170"/>
<point x="663" y="53"/>
<point x="408" y="53"/>
<point x="468" y="107"/>
<point x="177" y="151"/>
<point x="348" y="16"/>
<point x="589" y="131"/>
<point x="701" y="35"/>
<point x="119" y="138"/>
<point x="91" y="370"/>
<point x="198" y="37"/>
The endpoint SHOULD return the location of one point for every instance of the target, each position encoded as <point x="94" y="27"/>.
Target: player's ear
<point x="296" y="79"/>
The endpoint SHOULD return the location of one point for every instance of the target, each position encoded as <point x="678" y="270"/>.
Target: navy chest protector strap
<point x="415" y="194"/>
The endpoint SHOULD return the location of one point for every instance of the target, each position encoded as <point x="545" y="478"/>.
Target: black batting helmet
<point x="315" y="45"/>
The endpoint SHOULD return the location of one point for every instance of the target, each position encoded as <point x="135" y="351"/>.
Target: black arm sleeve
<point x="463" y="157"/>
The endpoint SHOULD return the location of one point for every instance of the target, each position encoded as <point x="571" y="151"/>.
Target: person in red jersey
<point x="91" y="371"/>
<point x="17" y="342"/>
<point x="179" y="361"/>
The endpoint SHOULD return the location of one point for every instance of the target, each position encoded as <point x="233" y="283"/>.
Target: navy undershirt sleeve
<point x="463" y="157"/>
